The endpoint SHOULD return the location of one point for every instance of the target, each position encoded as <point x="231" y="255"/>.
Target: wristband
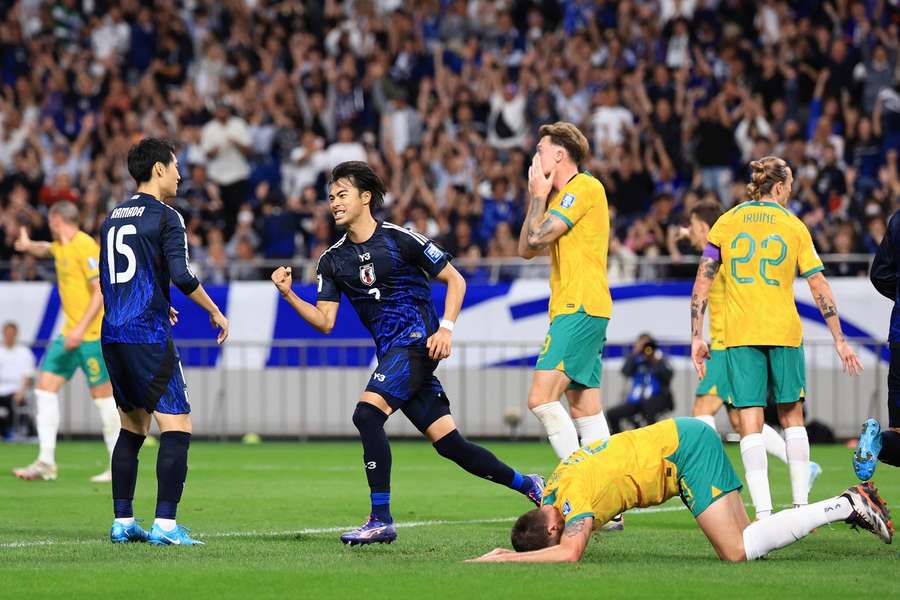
<point x="447" y="324"/>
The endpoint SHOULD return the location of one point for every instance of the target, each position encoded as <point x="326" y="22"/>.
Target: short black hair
<point x="363" y="178"/>
<point x="707" y="211"/>
<point x="530" y="532"/>
<point x="146" y="153"/>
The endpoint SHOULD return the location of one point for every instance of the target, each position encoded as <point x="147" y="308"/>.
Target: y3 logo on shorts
<point x="378" y="376"/>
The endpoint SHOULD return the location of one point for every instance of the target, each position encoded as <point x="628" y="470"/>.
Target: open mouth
<point x="339" y="213"/>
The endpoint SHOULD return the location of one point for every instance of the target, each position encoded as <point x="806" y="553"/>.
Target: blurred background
<point x="444" y="99"/>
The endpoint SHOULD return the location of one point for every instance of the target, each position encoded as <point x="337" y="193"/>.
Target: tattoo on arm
<point x="698" y="310"/>
<point x="709" y="267"/>
<point x="574" y="529"/>
<point x="534" y="237"/>
<point x="828" y="309"/>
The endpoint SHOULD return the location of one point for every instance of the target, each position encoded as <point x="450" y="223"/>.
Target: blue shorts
<point x="405" y="379"/>
<point x="148" y="377"/>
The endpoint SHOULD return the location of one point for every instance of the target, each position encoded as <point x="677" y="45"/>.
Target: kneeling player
<point x="384" y="270"/>
<point x="646" y="467"/>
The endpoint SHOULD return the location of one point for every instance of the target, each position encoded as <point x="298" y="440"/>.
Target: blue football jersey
<point x="387" y="280"/>
<point x="143" y="247"/>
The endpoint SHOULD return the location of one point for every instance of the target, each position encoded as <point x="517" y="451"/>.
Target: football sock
<point x="560" y="428"/>
<point x="124" y="472"/>
<point x="890" y="448"/>
<point x="47" y="422"/>
<point x="124" y="520"/>
<point x="787" y="526"/>
<point x="171" y="471"/>
<point x="165" y="524"/>
<point x="756" y="470"/>
<point x="709" y="420"/>
<point x="797" y="447"/>
<point x="775" y="444"/>
<point x="369" y="421"/>
<point x="481" y="462"/>
<point x="109" y="416"/>
<point x="592" y="428"/>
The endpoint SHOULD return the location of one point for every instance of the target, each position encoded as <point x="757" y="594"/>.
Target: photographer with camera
<point x="650" y="394"/>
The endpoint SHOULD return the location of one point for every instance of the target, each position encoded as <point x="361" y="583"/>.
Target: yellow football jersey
<point x="578" y="257"/>
<point x="629" y="470"/>
<point x="77" y="264"/>
<point x="763" y="246"/>
<point x="717" y="313"/>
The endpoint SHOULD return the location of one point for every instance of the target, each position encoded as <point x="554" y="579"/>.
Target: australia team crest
<point x="367" y="274"/>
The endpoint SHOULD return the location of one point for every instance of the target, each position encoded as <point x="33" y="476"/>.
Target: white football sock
<point x="165" y="524"/>
<point x="109" y="416"/>
<point x="756" y="470"/>
<point x="47" y="422"/>
<point x="125" y="520"/>
<point x="787" y="526"/>
<point x="592" y="428"/>
<point x="797" y="445"/>
<point x="709" y="420"/>
<point x="774" y="443"/>
<point x="560" y="428"/>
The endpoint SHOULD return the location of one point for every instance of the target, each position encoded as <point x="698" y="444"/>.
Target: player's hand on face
<point x="220" y="322"/>
<point x="849" y="360"/>
<point x="173" y="315"/>
<point x="282" y="279"/>
<point x="539" y="184"/>
<point x="72" y="340"/>
<point x="699" y="355"/>
<point x="439" y="344"/>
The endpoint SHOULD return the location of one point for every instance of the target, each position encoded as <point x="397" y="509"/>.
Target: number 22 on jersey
<point x="772" y="245"/>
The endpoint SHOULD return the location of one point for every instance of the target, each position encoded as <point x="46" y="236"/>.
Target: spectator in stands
<point x="16" y="377"/>
<point x="226" y="141"/>
<point x="650" y="394"/>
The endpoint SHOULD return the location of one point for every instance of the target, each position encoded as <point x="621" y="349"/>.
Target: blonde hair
<point x="569" y="137"/>
<point x="765" y="173"/>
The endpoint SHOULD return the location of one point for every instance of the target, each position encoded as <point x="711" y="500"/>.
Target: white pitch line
<point x="321" y="530"/>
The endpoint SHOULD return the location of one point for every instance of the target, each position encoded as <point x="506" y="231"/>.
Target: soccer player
<point x="574" y="225"/>
<point x="762" y="246"/>
<point x="714" y="390"/>
<point x="76" y="256"/>
<point x="143" y="249"/>
<point x="875" y="444"/>
<point x="384" y="271"/>
<point x="647" y="466"/>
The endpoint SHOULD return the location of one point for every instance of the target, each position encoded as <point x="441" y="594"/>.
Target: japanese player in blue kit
<point x="384" y="270"/>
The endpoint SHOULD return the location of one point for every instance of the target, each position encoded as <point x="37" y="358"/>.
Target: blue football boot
<point x="537" y="492"/>
<point x="815" y="469"/>
<point x="866" y="455"/>
<point x="124" y="534"/>
<point x="177" y="537"/>
<point x="372" y="532"/>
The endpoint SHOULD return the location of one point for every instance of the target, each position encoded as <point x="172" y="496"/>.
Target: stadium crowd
<point x="444" y="98"/>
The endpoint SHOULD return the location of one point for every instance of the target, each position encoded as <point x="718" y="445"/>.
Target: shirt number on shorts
<point x="115" y="243"/>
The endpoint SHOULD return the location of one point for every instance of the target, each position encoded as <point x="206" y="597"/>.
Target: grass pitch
<point x="271" y="515"/>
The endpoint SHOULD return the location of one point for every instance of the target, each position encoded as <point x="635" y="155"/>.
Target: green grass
<point x="256" y="505"/>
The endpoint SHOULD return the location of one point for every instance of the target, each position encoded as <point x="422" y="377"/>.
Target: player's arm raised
<point x="439" y="344"/>
<point x="706" y="273"/>
<point x="821" y="293"/>
<point x="571" y="547"/>
<point x="539" y="230"/>
<point x="27" y="245"/>
<point x="321" y="316"/>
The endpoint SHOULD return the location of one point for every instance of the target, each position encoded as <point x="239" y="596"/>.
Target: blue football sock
<point x="171" y="471"/>
<point x="890" y="448"/>
<point x="381" y="506"/>
<point x="370" y="421"/>
<point x="481" y="462"/>
<point x="124" y="466"/>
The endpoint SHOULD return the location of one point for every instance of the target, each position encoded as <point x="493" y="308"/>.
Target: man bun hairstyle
<point x="764" y="174"/>
<point x="707" y="211"/>
<point x="530" y="532"/>
<point x="363" y="178"/>
<point x="569" y="137"/>
<point x="146" y="153"/>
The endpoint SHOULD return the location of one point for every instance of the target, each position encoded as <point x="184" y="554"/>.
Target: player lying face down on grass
<point x="384" y="270"/>
<point x="647" y="466"/>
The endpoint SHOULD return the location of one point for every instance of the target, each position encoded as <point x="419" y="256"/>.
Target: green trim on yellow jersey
<point x="562" y="218"/>
<point x="813" y="271"/>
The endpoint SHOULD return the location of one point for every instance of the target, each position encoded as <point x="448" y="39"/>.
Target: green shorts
<point x="704" y="472"/>
<point x="754" y="370"/>
<point x="88" y="356"/>
<point x="574" y="345"/>
<point x="716" y="381"/>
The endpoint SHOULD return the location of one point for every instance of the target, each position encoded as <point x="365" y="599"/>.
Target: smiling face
<point x="346" y="202"/>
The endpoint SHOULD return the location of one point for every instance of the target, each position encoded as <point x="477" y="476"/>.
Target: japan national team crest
<point x="367" y="273"/>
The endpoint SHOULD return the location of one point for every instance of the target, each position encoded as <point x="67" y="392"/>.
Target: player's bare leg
<point x="705" y="409"/>
<point x="543" y="400"/>
<point x="753" y="455"/>
<point x="109" y="417"/>
<point x="47" y="423"/>
<point x="723" y="523"/>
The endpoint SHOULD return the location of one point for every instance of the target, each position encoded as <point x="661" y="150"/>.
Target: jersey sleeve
<point x="572" y="206"/>
<point x="574" y="503"/>
<point x="327" y="289"/>
<point x="89" y="258"/>
<point x="421" y="251"/>
<point x="175" y="251"/>
<point x="808" y="260"/>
